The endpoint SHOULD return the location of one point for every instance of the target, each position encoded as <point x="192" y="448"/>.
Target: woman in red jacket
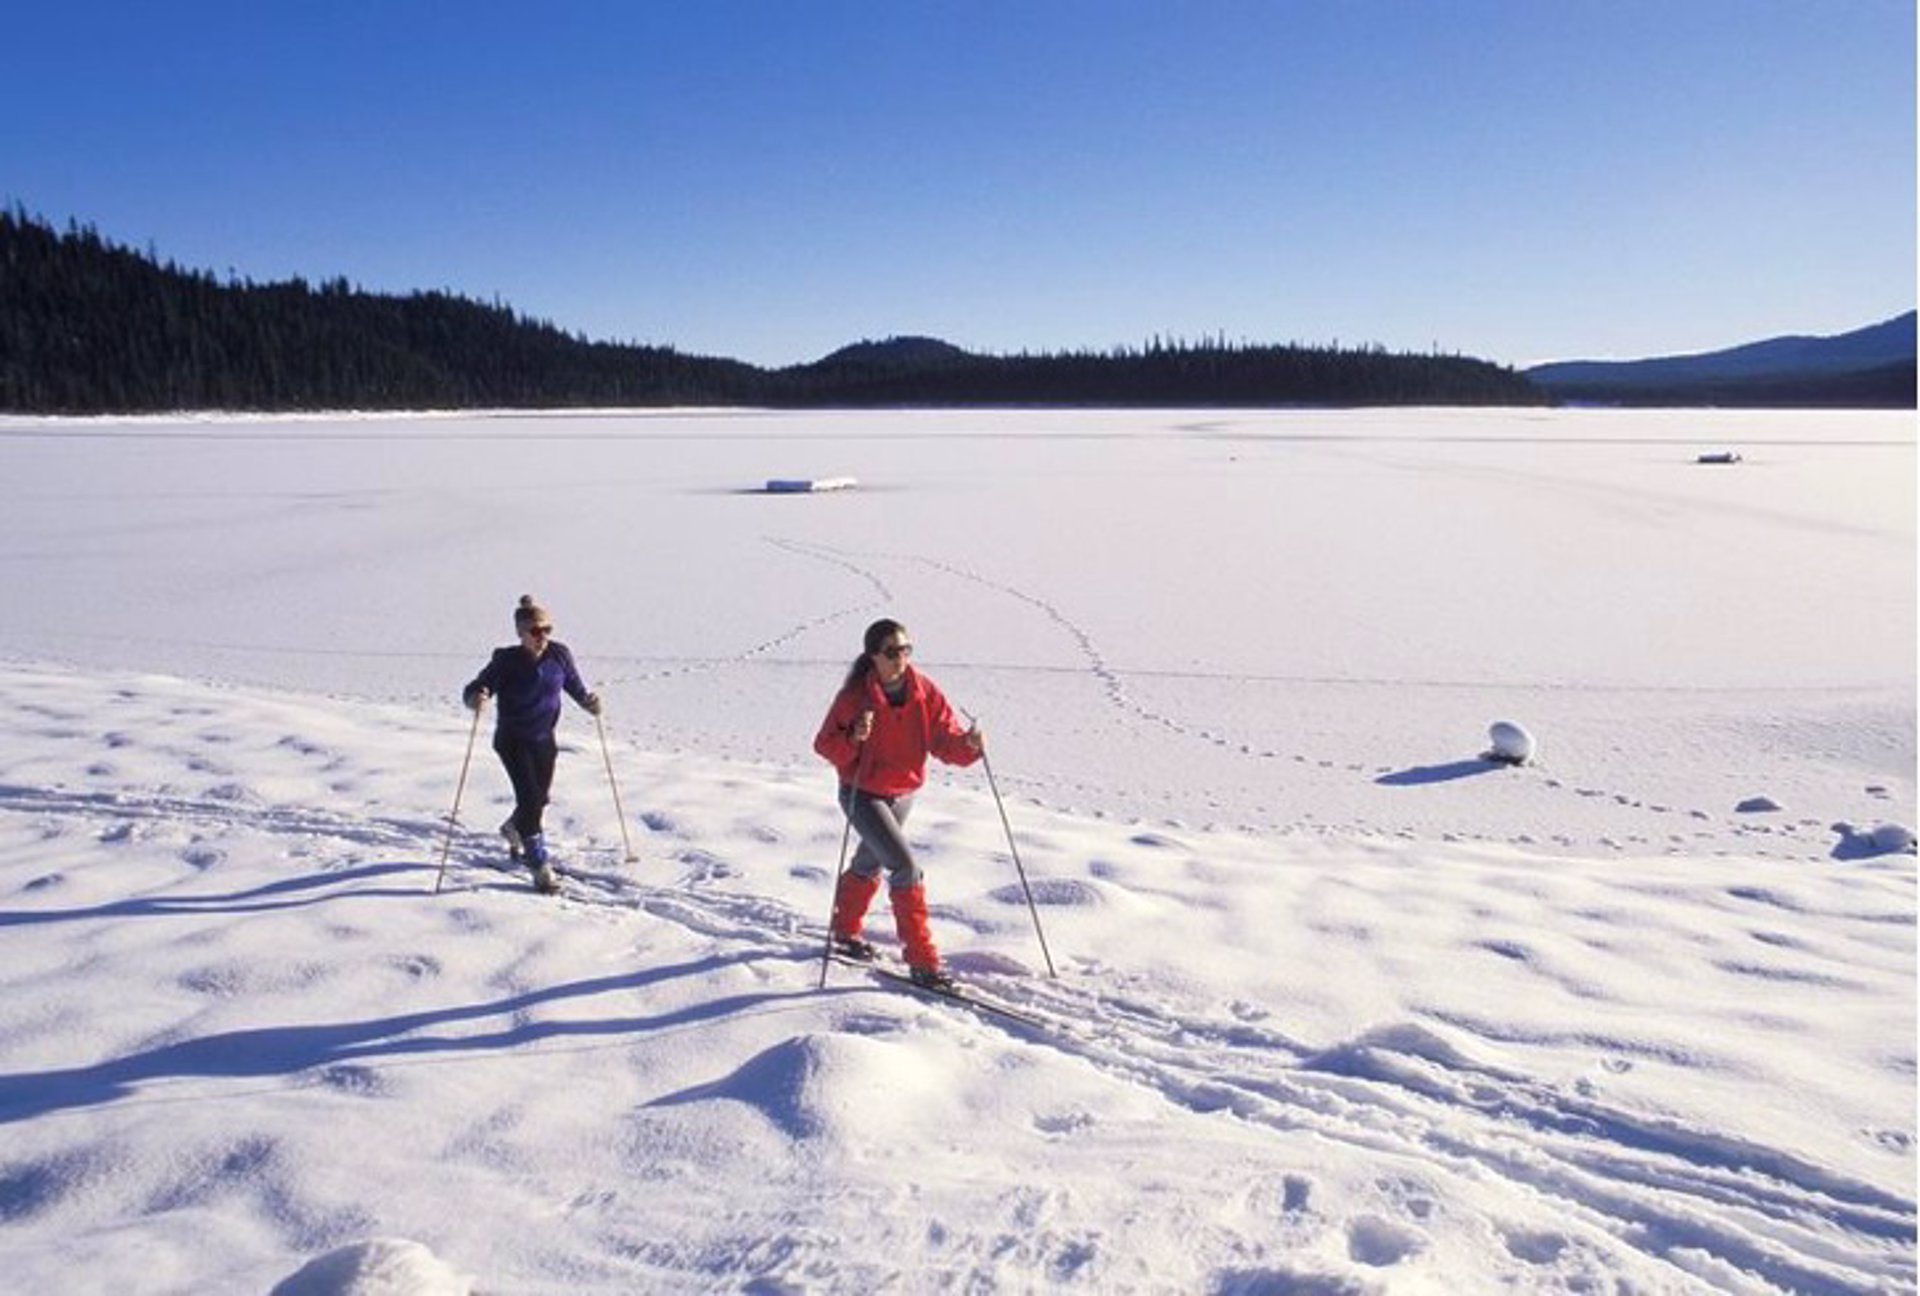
<point x="885" y="722"/>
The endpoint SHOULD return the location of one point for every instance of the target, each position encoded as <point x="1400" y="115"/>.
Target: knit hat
<point x="529" y="613"/>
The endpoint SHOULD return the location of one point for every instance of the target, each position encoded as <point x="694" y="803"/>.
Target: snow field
<point x="1342" y="1007"/>
<point x="1364" y="1065"/>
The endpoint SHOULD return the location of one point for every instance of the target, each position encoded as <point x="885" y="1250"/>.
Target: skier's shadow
<point x="508" y="1023"/>
<point x="283" y="893"/>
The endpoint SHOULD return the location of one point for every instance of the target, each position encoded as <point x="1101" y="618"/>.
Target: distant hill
<point x="1872" y="367"/>
<point x="90" y="327"/>
<point x="894" y="353"/>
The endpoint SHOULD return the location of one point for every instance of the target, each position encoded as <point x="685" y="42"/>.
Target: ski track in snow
<point x="882" y="596"/>
<point x="1405" y="1093"/>
<point x="1663" y="1189"/>
<point x="1676" y="1194"/>
<point x="1684" y="1197"/>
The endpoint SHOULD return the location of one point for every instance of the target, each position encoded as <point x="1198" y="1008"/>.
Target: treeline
<point x="1892" y="386"/>
<point x="1160" y="374"/>
<point x="89" y="327"/>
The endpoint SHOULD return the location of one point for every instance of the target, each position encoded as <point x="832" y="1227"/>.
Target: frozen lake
<point x="1233" y="617"/>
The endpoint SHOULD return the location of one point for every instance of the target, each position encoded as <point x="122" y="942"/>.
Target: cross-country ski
<point x="952" y="991"/>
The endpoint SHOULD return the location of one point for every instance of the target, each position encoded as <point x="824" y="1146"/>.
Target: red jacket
<point x="893" y="760"/>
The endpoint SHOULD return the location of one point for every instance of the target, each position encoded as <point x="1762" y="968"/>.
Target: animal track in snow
<point x="1209" y="730"/>
<point x="882" y="595"/>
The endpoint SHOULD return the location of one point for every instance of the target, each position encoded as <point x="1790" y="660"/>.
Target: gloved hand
<point x="594" y="705"/>
<point x="479" y="699"/>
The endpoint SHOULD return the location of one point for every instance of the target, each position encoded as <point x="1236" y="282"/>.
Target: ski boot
<point x="515" y="847"/>
<point x="932" y="978"/>
<point x="544" y="879"/>
<point x="855" y="948"/>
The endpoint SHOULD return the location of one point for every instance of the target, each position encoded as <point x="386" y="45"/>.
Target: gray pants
<point x="883" y="841"/>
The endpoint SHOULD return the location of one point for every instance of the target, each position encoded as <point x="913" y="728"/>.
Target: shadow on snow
<point x="287" y="1050"/>
<point x="1419" y="775"/>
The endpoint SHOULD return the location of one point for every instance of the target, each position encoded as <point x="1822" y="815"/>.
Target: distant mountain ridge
<point x="1872" y="366"/>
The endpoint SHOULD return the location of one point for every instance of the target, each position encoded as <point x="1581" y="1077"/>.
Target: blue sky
<point x="1523" y="180"/>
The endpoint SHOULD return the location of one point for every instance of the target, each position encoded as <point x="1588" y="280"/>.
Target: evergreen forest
<point x="91" y="327"/>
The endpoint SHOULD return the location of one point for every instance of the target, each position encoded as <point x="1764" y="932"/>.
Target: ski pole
<point x="607" y="756"/>
<point x="459" y="790"/>
<point x="846" y="836"/>
<point x="1014" y="847"/>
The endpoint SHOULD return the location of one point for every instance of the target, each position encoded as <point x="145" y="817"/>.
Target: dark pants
<point x="529" y="763"/>
<point x="883" y="840"/>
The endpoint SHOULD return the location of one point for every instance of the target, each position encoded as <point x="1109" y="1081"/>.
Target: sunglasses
<point x="540" y="631"/>
<point x="894" y="652"/>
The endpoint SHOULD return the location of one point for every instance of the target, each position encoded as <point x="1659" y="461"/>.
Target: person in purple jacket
<point x="528" y="679"/>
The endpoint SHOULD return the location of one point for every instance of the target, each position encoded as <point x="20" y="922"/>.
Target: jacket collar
<point x="915" y="689"/>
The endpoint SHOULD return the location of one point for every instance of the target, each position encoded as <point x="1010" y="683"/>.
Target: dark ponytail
<point x="529" y="612"/>
<point x="877" y="635"/>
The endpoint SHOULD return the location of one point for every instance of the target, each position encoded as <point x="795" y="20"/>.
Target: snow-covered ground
<point x="1341" y="1008"/>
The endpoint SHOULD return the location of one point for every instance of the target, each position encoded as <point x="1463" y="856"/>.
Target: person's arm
<point x="840" y="734"/>
<point x="576" y="687"/>
<point x="482" y="686"/>
<point x="952" y="743"/>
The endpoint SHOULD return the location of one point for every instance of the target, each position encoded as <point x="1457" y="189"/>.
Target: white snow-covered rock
<point x="377" y="1267"/>
<point x="809" y="485"/>
<point x="1510" y="743"/>
<point x="1891" y="838"/>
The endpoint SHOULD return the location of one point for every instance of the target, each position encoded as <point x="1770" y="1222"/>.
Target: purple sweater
<point x="528" y="689"/>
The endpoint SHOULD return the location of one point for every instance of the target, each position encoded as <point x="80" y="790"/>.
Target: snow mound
<point x="837" y="1087"/>
<point x="1866" y="843"/>
<point x="1892" y="838"/>
<point x="377" y="1267"/>
<point x="1365" y="1053"/>
<point x="808" y="485"/>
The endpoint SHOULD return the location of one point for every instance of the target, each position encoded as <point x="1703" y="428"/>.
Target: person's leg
<point x="545" y="752"/>
<point x="529" y="795"/>
<point x="883" y="847"/>
<point x="916" y="936"/>
<point x="529" y="764"/>
<point x="883" y="843"/>
<point x="851" y="897"/>
<point x="530" y="770"/>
